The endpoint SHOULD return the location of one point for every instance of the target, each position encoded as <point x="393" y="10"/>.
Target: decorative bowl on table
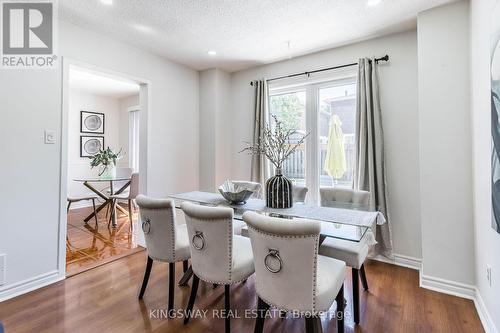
<point x="235" y="194"/>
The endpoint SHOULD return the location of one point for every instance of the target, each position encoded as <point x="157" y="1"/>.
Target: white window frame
<point x="312" y="87"/>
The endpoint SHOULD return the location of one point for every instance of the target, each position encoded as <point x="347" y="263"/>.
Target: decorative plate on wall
<point x="91" y="122"/>
<point x="90" y="145"/>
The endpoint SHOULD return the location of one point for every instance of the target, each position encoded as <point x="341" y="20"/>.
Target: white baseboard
<point x="401" y="260"/>
<point x="447" y="286"/>
<point x="25" y="286"/>
<point x="484" y="315"/>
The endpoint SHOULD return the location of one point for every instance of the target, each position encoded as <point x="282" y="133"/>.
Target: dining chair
<point x="289" y="273"/>
<point x="252" y="186"/>
<point x="352" y="253"/>
<point x="217" y="255"/>
<point x="120" y="172"/>
<point x="129" y="195"/>
<point x="299" y="193"/>
<point x="166" y="241"/>
<point x="72" y="199"/>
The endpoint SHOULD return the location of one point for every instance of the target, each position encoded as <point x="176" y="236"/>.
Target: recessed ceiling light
<point x="142" y="28"/>
<point x="373" y="2"/>
<point x="212" y="53"/>
<point x="107" y="2"/>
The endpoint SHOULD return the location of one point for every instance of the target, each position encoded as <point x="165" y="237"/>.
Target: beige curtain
<point x="259" y="163"/>
<point x="370" y="167"/>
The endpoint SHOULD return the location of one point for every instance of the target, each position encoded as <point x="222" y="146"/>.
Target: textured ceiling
<point x="244" y="33"/>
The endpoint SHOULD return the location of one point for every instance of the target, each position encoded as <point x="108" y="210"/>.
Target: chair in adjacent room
<point x="128" y="196"/>
<point x="73" y="199"/>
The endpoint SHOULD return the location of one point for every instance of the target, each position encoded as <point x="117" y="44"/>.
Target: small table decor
<point x="234" y="193"/>
<point x="276" y="145"/>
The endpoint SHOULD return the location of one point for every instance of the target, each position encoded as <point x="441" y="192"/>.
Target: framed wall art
<point x="92" y="122"/>
<point x="90" y="145"/>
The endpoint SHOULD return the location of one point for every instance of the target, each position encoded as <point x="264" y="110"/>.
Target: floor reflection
<point x="91" y="245"/>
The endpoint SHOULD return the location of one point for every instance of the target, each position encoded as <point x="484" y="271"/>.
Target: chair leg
<point x="227" y="306"/>
<point x="317" y="328"/>
<point x="309" y="324"/>
<point x="192" y="297"/>
<point x="185" y="278"/>
<point x="364" y="282"/>
<point x="340" y="310"/>
<point x="355" y="294"/>
<point x="146" y="277"/>
<point x="112" y="212"/>
<point x="95" y="213"/>
<point x="171" y="287"/>
<point x="185" y="264"/>
<point x="69" y="205"/>
<point x="262" y="308"/>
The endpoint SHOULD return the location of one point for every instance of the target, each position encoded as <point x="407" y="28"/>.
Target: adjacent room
<point x="250" y="166"/>
<point x="103" y="120"/>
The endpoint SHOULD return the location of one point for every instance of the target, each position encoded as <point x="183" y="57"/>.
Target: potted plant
<point x="275" y="144"/>
<point x="106" y="160"/>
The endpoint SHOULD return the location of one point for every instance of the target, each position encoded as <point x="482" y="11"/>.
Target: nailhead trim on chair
<point x="222" y="282"/>
<point x="172" y="233"/>
<point x="163" y="260"/>
<point x="314" y="264"/>
<point x="230" y="250"/>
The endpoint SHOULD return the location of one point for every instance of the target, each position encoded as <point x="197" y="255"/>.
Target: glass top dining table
<point x="341" y="220"/>
<point x="105" y="196"/>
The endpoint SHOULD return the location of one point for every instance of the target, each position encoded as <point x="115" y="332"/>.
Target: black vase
<point x="279" y="192"/>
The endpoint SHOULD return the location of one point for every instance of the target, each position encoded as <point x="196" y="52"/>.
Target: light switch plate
<point x="50" y="137"/>
<point x="3" y="268"/>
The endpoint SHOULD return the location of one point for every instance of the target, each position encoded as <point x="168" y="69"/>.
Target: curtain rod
<point x="384" y="58"/>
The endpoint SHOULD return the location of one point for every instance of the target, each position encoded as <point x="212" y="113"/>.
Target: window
<point x="327" y="110"/>
<point x="133" y="139"/>
<point x="290" y="109"/>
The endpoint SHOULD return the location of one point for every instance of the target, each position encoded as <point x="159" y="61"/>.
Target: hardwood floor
<point x="104" y="299"/>
<point x="88" y="246"/>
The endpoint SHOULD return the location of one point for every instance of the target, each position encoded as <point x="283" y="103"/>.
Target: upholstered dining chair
<point x="299" y="193"/>
<point x="289" y="273"/>
<point x="217" y="255"/>
<point x="129" y="196"/>
<point x="166" y="241"/>
<point x="352" y="253"/>
<point x="252" y="186"/>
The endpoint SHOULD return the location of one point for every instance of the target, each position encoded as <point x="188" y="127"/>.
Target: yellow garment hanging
<point x="335" y="164"/>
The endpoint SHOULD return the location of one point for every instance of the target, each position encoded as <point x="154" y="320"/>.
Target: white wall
<point x="215" y="134"/>
<point x="487" y="242"/>
<point x="31" y="102"/>
<point x="208" y="105"/>
<point x="80" y="166"/>
<point x="445" y="145"/>
<point x="398" y="80"/>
